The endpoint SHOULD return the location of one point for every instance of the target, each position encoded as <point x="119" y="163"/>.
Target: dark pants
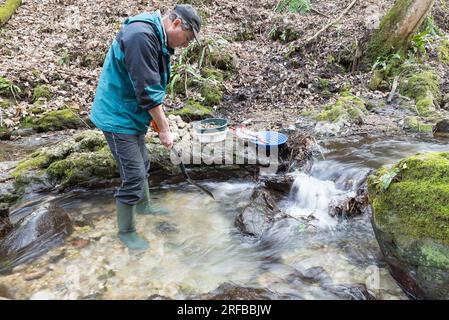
<point x="132" y="160"/>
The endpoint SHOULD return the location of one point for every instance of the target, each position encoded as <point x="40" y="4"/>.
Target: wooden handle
<point x="153" y="125"/>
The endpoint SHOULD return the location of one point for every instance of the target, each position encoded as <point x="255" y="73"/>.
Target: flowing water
<point x="197" y="247"/>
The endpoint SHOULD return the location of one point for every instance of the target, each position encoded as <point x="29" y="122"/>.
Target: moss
<point x="34" y="162"/>
<point x="435" y="255"/>
<point x="443" y="52"/>
<point x="54" y="120"/>
<point x="415" y="204"/>
<point x="8" y="9"/>
<point x="179" y="86"/>
<point x="213" y="74"/>
<point x="414" y="125"/>
<point x="36" y="73"/>
<point x="211" y="93"/>
<point x="376" y="79"/>
<point x="326" y="94"/>
<point x="77" y="159"/>
<point x="4" y="104"/>
<point x="90" y="140"/>
<point x="424" y="87"/>
<point x="80" y="167"/>
<point x="347" y="108"/>
<point x="192" y="110"/>
<point x="420" y="85"/>
<point x="41" y="92"/>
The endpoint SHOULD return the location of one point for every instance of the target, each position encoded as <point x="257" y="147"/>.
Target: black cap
<point x="188" y="13"/>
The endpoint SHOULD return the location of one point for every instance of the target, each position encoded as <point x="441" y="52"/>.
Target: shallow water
<point x="197" y="247"/>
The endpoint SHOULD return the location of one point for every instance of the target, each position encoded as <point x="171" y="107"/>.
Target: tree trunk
<point x="396" y="28"/>
<point x="8" y="9"/>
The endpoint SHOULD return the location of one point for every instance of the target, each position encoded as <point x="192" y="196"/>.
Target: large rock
<point x="42" y="227"/>
<point x="411" y="222"/>
<point x="441" y="129"/>
<point x="260" y="214"/>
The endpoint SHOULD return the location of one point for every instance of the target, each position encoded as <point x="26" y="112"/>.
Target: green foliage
<point x="8" y="89"/>
<point x="387" y="63"/>
<point x="182" y="75"/>
<point x="201" y="67"/>
<point x="293" y="6"/>
<point x="387" y="178"/>
<point x="65" y="58"/>
<point x="41" y="92"/>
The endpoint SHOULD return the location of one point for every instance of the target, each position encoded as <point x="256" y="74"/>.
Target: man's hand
<point x="166" y="139"/>
<point x="160" y="125"/>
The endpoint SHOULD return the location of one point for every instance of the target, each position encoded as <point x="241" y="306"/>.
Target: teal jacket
<point x="134" y="76"/>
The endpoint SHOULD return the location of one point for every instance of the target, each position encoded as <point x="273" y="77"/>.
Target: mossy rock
<point x="41" y="92"/>
<point x="8" y="9"/>
<point x="414" y="125"/>
<point x="192" y="110"/>
<point x="411" y="222"/>
<point x="347" y="108"/>
<point x="81" y="167"/>
<point x="34" y="164"/>
<point x="423" y="85"/>
<point x="376" y="79"/>
<point x="211" y="93"/>
<point x="54" y="120"/>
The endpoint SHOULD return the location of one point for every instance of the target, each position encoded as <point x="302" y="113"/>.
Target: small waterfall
<point x="310" y="198"/>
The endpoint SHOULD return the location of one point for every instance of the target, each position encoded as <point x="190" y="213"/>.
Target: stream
<point x="197" y="248"/>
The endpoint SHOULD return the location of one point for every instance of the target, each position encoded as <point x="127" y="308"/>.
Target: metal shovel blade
<point x="186" y="175"/>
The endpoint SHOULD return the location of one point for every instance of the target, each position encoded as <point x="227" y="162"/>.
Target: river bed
<point x="197" y="247"/>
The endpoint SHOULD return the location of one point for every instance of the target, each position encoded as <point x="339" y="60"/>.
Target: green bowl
<point x="217" y="123"/>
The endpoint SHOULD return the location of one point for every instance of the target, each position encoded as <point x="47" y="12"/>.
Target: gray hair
<point x="184" y="25"/>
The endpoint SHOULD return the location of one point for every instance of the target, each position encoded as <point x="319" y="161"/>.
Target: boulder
<point x="42" y="227"/>
<point x="260" y="214"/>
<point x="411" y="222"/>
<point x="441" y="129"/>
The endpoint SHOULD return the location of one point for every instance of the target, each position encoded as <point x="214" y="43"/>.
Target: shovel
<point x="182" y="167"/>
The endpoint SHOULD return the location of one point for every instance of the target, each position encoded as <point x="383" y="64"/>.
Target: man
<point x="130" y="94"/>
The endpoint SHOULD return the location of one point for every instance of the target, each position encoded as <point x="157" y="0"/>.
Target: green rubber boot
<point x="127" y="227"/>
<point x="144" y="207"/>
